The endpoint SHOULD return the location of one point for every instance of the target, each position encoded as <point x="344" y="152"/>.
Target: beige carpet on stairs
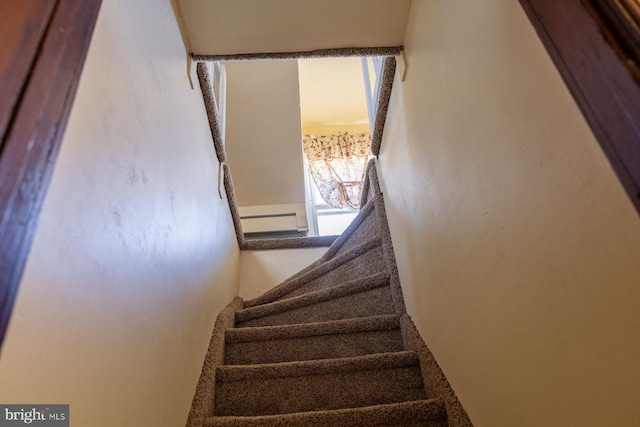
<point x="330" y="346"/>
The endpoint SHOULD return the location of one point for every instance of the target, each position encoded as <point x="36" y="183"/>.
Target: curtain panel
<point x="337" y="164"/>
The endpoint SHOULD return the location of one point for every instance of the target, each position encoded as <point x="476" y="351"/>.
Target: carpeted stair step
<point x="362" y="260"/>
<point x="357" y="232"/>
<point x="365" y="227"/>
<point x="424" y="413"/>
<point x="317" y="385"/>
<point x="367" y="263"/>
<point x="312" y="341"/>
<point x="368" y="296"/>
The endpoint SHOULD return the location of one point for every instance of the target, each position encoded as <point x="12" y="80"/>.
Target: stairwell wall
<point x="135" y="254"/>
<point x="264" y="132"/>
<point x="518" y="248"/>
<point x="261" y="271"/>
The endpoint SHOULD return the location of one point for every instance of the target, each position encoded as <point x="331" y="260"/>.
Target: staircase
<point x="330" y="346"/>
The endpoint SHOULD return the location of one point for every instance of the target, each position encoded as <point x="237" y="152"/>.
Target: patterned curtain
<point x="337" y="164"/>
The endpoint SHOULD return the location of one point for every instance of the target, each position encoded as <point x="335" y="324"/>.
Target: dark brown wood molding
<point x="599" y="80"/>
<point x="619" y="21"/>
<point x="32" y="139"/>
<point x="27" y="25"/>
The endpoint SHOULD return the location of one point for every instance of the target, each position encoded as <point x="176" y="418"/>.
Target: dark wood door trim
<point x="26" y="27"/>
<point x="599" y="80"/>
<point x="32" y="139"/>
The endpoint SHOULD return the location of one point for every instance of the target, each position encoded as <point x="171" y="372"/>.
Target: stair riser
<point x="313" y="421"/>
<point x="325" y="347"/>
<point x="322" y="268"/>
<point x="373" y="302"/>
<point x="369" y="263"/>
<point x="439" y="423"/>
<point x="318" y="392"/>
<point x="313" y="347"/>
<point x="422" y="413"/>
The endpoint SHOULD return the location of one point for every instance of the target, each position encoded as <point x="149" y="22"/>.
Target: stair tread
<point x="344" y="326"/>
<point x="317" y="385"/>
<point x="321" y="269"/>
<point x="336" y="248"/>
<point x="376" y="301"/>
<point x="347" y="288"/>
<point x="331" y="345"/>
<point x="367" y="225"/>
<point x="313" y="341"/>
<point x="315" y="347"/>
<point x="367" y="263"/>
<point x="338" y="245"/>
<point x="392" y="414"/>
<point x="227" y="373"/>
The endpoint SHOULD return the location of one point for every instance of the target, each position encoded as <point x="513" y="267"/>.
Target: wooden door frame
<point x="42" y="74"/>
<point x="601" y="79"/>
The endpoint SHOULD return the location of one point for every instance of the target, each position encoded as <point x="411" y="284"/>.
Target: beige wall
<point x="332" y="93"/>
<point x="263" y="270"/>
<point x="517" y="247"/>
<point x="134" y="253"/>
<point x="335" y="129"/>
<point x="264" y="136"/>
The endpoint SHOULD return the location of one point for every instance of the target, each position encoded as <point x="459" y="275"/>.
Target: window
<point x="324" y="220"/>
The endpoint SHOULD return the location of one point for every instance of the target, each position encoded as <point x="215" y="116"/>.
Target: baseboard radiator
<point x="272" y="221"/>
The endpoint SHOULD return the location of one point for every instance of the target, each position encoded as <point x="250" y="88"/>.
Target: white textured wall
<point x="264" y="132"/>
<point x="135" y="253"/>
<point x="261" y="271"/>
<point x="518" y="248"/>
<point x="332" y="93"/>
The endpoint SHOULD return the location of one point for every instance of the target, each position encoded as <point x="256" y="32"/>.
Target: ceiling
<point x="217" y="27"/>
<point x="332" y="92"/>
<point x="331" y="89"/>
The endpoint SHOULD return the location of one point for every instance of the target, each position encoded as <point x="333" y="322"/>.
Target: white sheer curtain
<point x="337" y="164"/>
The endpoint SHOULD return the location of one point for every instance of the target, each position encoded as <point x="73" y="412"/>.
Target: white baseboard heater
<point x="272" y="221"/>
